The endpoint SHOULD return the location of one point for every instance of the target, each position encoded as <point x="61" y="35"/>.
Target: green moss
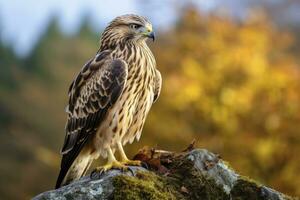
<point x="148" y="185"/>
<point x="198" y="185"/>
<point x="247" y="188"/>
<point x="183" y="181"/>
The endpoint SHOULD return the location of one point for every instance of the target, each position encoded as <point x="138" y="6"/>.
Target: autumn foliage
<point x="235" y="88"/>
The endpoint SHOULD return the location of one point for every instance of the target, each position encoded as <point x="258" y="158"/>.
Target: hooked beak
<point x="151" y="35"/>
<point x="148" y="32"/>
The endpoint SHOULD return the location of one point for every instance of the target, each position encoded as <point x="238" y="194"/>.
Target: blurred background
<point x="231" y="80"/>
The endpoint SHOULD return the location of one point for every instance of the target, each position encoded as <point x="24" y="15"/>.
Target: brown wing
<point x="157" y="85"/>
<point x="92" y="93"/>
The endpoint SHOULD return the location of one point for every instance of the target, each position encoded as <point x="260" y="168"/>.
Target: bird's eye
<point x="135" y="26"/>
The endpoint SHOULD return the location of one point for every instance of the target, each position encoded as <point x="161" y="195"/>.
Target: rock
<point x="195" y="174"/>
<point x="87" y="188"/>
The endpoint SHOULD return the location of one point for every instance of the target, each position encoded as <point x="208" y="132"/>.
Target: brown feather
<point x="82" y="123"/>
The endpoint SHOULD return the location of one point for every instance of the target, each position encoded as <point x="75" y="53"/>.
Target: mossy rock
<point x="193" y="174"/>
<point x="183" y="184"/>
<point x="145" y="185"/>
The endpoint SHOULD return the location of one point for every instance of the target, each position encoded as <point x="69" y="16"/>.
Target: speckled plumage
<point x="110" y="98"/>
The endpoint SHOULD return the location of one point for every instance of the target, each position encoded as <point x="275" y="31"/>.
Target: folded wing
<point x="96" y="89"/>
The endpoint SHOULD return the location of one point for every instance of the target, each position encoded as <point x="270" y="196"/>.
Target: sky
<point x="23" y="21"/>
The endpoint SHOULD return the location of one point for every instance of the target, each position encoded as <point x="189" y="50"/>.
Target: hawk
<point x="110" y="99"/>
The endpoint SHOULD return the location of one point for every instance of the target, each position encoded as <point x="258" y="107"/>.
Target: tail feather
<point x="77" y="169"/>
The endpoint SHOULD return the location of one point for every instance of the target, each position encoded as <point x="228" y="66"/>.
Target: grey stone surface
<point x="87" y="188"/>
<point x="213" y="167"/>
<point x="207" y="163"/>
<point x="210" y="165"/>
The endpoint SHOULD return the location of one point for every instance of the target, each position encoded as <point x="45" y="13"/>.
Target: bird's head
<point x="128" y="28"/>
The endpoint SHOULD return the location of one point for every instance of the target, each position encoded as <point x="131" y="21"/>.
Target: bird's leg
<point x="124" y="159"/>
<point x="112" y="163"/>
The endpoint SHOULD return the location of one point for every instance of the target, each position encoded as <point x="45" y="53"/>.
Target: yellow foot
<point x="108" y="166"/>
<point x="132" y="162"/>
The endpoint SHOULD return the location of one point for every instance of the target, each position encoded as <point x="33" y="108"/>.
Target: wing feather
<point x="157" y="86"/>
<point x="96" y="88"/>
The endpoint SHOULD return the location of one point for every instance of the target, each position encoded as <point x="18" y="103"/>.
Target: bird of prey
<point x="110" y="99"/>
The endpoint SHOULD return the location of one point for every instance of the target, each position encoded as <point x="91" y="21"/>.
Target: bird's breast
<point x="127" y="116"/>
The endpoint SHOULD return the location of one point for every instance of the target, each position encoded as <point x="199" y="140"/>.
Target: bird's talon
<point x="144" y="165"/>
<point x="132" y="163"/>
<point x="123" y="169"/>
<point x="97" y="173"/>
<point x="92" y="175"/>
<point x="131" y="170"/>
